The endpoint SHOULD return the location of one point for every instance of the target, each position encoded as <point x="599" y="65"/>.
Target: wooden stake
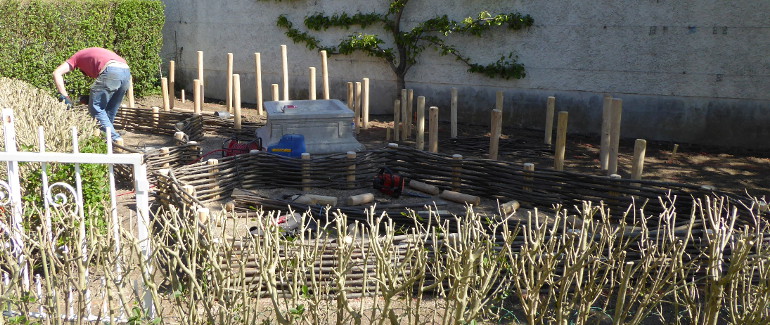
<point x="197" y="97"/>
<point x="351" y="155"/>
<point x="673" y="153"/>
<point x="182" y="95"/>
<point x="396" y="120"/>
<point x="360" y="199"/>
<point x="550" y="107"/>
<point x="433" y="130"/>
<point x="604" y="148"/>
<point x="229" y="97"/>
<point x="640" y="148"/>
<point x="616" y="113"/>
<point x="311" y="84"/>
<point x="409" y="110"/>
<point x="155" y="116"/>
<point x="561" y="141"/>
<point x="351" y="96"/>
<point x="494" y="138"/>
<point x="258" y="65"/>
<point x="423" y="187"/>
<point x="325" y="72"/>
<point x="404" y="118"/>
<point x="420" y="140"/>
<point x="213" y="171"/>
<point x="529" y="169"/>
<point x="460" y="197"/>
<point x="276" y="92"/>
<point x="365" y="108"/>
<point x="237" y="101"/>
<point x="285" y="68"/>
<point x="172" y="82"/>
<point x="164" y="91"/>
<point x="131" y="92"/>
<point x="457" y="168"/>
<point x="200" y="76"/>
<point x="357" y="111"/>
<point x="453" y="112"/>
<point x="499" y="100"/>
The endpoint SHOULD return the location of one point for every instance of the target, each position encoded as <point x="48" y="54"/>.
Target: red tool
<point x="388" y="182"/>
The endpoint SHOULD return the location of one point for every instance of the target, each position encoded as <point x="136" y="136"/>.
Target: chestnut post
<point x="453" y="112"/>
<point x="351" y="96"/>
<point x="213" y="170"/>
<point x="357" y="110"/>
<point x="499" y="100"/>
<point x="237" y="101"/>
<point x="155" y="116"/>
<point x="396" y="120"/>
<point x="433" y="130"/>
<point x="404" y="119"/>
<point x="550" y="107"/>
<point x="387" y="133"/>
<point x="420" y="139"/>
<point x="460" y="197"/>
<point x="164" y="91"/>
<point x="614" y="193"/>
<point x="351" y="155"/>
<point x="197" y="96"/>
<point x="456" y="171"/>
<point x="229" y="97"/>
<point x="179" y="138"/>
<point x="200" y="75"/>
<point x="529" y="169"/>
<point x="616" y="113"/>
<point x="276" y="92"/>
<point x="182" y="95"/>
<point x="305" y="171"/>
<point x="365" y="108"/>
<point x="285" y="69"/>
<point x="164" y="154"/>
<point x="258" y="64"/>
<point x="494" y="137"/>
<point x="561" y="141"/>
<point x="604" y="146"/>
<point x="325" y="74"/>
<point x="131" y="92"/>
<point x="640" y="149"/>
<point x="311" y="86"/>
<point x="409" y="110"/>
<point x="190" y="190"/>
<point x="172" y="82"/>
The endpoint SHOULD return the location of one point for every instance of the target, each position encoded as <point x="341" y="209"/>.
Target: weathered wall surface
<point x="687" y="71"/>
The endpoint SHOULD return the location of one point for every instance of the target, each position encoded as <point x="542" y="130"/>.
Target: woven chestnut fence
<point x="496" y="180"/>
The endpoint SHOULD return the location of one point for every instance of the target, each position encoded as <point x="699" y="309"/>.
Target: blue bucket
<point x="290" y="145"/>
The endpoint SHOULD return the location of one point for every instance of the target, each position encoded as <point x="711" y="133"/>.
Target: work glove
<point x="66" y="100"/>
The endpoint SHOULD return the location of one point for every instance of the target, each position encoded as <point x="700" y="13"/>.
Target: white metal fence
<point x="18" y="279"/>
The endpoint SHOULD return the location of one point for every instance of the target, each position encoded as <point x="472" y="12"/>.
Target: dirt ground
<point x="728" y="169"/>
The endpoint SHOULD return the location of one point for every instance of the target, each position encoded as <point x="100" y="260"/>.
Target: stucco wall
<point x="687" y="71"/>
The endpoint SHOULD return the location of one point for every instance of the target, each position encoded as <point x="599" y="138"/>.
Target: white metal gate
<point x="16" y="238"/>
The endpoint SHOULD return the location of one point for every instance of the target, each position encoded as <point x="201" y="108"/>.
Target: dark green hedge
<point x="37" y="36"/>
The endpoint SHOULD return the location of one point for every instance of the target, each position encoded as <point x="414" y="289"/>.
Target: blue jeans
<point x="106" y="95"/>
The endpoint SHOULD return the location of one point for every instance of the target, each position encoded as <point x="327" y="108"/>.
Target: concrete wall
<point x="687" y="71"/>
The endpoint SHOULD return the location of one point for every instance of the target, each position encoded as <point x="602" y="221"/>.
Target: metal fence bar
<point x="12" y="157"/>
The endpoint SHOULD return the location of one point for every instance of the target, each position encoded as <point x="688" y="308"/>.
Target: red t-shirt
<point x="92" y="60"/>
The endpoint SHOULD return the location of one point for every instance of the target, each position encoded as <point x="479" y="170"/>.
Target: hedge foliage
<point x="38" y="35"/>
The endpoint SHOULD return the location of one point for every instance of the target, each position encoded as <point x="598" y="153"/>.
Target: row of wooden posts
<point x="610" y="133"/>
<point x="357" y="99"/>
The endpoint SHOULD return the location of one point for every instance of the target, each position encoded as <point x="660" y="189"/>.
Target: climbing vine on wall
<point x="409" y="44"/>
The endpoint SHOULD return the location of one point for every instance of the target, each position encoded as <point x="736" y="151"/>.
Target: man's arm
<point x="58" y="78"/>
